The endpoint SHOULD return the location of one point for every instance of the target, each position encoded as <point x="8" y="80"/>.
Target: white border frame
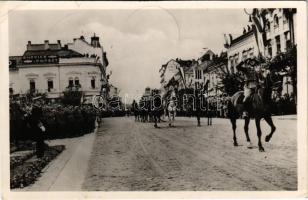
<point x="6" y="7"/>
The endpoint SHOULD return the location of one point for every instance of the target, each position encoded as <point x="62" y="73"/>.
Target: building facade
<point x="51" y="68"/>
<point x="241" y="48"/>
<point x="279" y="30"/>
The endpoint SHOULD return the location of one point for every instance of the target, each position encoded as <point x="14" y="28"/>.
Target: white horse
<point x="171" y="112"/>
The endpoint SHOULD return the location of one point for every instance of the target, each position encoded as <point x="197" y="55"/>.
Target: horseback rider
<point x="251" y="69"/>
<point x="171" y="107"/>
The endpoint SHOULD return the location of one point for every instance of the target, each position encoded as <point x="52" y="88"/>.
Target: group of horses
<point x="260" y="103"/>
<point x="153" y="110"/>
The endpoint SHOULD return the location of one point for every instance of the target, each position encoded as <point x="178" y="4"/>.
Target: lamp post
<point x="249" y="13"/>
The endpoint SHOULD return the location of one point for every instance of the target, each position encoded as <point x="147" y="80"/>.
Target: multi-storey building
<point x="279" y="30"/>
<point x="213" y="73"/>
<point x="240" y="48"/>
<point x="51" y="68"/>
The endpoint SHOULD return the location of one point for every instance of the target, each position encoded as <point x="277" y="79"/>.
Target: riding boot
<point x="245" y="108"/>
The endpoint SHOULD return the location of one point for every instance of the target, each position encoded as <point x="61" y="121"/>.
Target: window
<point x="70" y="82"/>
<point x="235" y="61"/>
<point x="278" y="45"/>
<point x="77" y="81"/>
<point x="251" y="53"/>
<point x="11" y="91"/>
<point x="231" y="65"/>
<point x="32" y="86"/>
<point x="269" y="48"/>
<point x="285" y="20"/>
<point x="268" y="27"/>
<point x="198" y="74"/>
<point x="50" y="85"/>
<point x="93" y="83"/>
<point x="287" y="39"/>
<point x="276" y="22"/>
<point x="244" y="55"/>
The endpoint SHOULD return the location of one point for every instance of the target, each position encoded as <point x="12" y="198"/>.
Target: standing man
<point x="37" y="128"/>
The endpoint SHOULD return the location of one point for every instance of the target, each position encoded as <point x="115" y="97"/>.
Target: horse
<point x="156" y="108"/>
<point x="260" y="102"/>
<point x="171" y="112"/>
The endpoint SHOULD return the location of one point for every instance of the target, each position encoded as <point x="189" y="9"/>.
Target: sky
<point x="137" y="42"/>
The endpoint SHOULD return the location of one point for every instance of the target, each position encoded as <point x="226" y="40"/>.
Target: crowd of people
<point x="37" y="120"/>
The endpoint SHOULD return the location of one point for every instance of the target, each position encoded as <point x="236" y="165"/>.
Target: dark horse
<point x="156" y="107"/>
<point x="260" y="103"/>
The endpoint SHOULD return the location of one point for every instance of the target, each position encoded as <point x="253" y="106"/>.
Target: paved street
<point x="130" y="156"/>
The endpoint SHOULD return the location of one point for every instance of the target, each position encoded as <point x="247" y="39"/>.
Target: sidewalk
<point x="68" y="170"/>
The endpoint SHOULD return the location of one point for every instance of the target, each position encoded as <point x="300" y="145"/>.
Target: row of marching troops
<point x="37" y="121"/>
<point x="154" y="107"/>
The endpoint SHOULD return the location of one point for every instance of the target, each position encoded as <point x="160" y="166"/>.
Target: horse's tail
<point x="233" y="104"/>
<point x="230" y="109"/>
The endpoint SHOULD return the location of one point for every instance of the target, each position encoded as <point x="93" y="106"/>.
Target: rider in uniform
<point x="252" y="71"/>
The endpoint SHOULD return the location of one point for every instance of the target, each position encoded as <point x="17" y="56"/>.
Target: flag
<point x="258" y="28"/>
<point x="181" y="71"/>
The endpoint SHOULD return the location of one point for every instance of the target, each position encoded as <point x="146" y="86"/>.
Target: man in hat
<point x="252" y="71"/>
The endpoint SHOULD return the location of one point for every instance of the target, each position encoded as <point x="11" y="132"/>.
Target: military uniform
<point x="252" y="76"/>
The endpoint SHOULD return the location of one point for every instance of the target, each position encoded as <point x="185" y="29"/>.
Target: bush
<point x="72" y="96"/>
<point x="60" y="122"/>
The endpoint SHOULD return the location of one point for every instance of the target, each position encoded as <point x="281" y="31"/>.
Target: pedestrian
<point x="37" y="128"/>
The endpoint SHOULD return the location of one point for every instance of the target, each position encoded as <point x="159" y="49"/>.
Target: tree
<point x="286" y="62"/>
<point x="232" y="83"/>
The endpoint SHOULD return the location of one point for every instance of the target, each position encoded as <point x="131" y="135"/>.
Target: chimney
<point x="29" y="45"/>
<point x="95" y="41"/>
<point x="46" y="42"/>
<point x="59" y="44"/>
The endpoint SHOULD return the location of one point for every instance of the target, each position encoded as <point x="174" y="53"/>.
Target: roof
<point x="241" y="37"/>
<point x="38" y="47"/>
<point x="62" y="53"/>
<point x="218" y="62"/>
<point x="184" y="63"/>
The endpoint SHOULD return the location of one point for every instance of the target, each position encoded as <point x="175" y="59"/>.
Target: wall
<point x="83" y="47"/>
<point x="235" y="52"/>
<point x="171" y="70"/>
<point x="60" y="74"/>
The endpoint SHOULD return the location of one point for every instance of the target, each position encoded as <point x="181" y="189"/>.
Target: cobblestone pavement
<point x="134" y="156"/>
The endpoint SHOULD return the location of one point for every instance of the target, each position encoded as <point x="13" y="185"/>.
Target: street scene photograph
<point x="153" y="99"/>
